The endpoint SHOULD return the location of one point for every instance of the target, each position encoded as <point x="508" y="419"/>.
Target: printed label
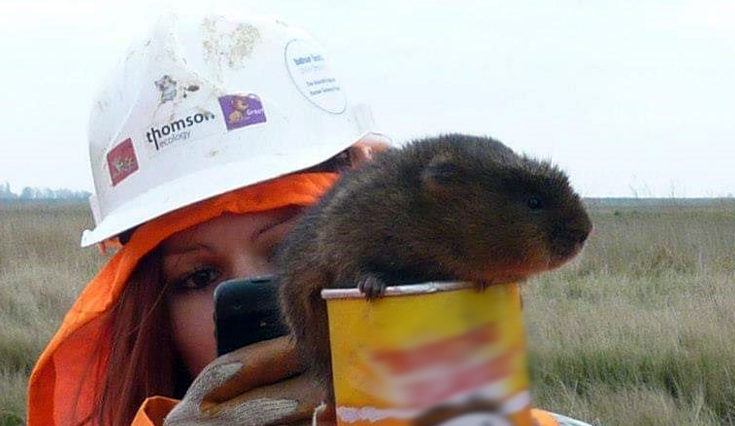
<point x="161" y="136"/>
<point x="242" y="110"/>
<point x="313" y="77"/>
<point x="167" y="86"/>
<point x="398" y="363"/>
<point x="121" y="161"/>
<point x="433" y="372"/>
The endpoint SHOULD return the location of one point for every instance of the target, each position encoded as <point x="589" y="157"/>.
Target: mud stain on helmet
<point x="231" y="47"/>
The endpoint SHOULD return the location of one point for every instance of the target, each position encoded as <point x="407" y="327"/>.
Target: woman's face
<point x="197" y="259"/>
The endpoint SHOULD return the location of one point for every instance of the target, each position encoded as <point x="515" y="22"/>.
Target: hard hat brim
<point x="196" y="187"/>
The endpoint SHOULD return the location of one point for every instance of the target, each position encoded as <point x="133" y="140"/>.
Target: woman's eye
<point x="534" y="203"/>
<point x="199" y="279"/>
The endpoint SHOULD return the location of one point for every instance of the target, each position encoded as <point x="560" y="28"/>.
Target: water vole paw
<point x="371" y="286"/>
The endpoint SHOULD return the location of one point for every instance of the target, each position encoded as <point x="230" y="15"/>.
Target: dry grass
<point x="639" y="330"/>
<point x="41" y="271"/>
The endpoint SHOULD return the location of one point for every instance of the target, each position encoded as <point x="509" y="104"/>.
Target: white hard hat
<point x="208" y="105"/>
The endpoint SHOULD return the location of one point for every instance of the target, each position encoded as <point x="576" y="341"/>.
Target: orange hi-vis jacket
<point x="67" y="381"/>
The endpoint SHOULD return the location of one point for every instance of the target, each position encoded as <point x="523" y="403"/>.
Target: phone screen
<point x="246" y="311"/>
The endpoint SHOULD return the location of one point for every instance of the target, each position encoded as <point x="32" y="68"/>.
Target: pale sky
<point x="629" y="97"/>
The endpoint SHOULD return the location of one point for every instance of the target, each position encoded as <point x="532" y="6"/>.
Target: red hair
<point x="142" y="360"/>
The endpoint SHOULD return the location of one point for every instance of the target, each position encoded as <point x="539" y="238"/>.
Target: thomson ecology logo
<point x="176" y="130"/>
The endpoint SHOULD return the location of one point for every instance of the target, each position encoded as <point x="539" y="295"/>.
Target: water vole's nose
<point x="579" y="229"/>
<point x="568" y="238"/>
<point x="579" y="236"/>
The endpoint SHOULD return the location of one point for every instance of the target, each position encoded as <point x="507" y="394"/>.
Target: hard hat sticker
<point x="168" y="87"/>
<point x="121" y="161"/>
<point x="242" y="110"/>
<point x="311" y="74"/>
<point x="195" y="124"/>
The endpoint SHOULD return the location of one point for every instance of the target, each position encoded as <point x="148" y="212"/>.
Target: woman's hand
<point x="260" y="384"/>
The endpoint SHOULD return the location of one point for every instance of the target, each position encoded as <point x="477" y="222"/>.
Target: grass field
<point x="42" y="269"/>
<point x="639" y="330"/>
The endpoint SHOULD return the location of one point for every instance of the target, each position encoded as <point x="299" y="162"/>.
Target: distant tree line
<point x="32" y="193"/>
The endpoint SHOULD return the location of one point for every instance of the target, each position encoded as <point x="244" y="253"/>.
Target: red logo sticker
<point x="122" y="161"/>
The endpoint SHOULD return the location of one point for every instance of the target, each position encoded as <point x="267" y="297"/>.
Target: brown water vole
<point x="453" y="207"/>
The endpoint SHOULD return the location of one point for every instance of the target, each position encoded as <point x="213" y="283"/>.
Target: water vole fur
<point x="454" y="207"/>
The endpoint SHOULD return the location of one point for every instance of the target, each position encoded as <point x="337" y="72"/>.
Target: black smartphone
<point x="246" y="311"/>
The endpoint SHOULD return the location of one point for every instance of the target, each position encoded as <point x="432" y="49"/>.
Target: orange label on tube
<point x="429" y="354"/>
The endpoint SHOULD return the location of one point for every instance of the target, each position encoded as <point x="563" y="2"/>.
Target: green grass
<point x="638" y="330"/>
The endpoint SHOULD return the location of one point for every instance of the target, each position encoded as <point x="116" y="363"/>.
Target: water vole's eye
<point x="199" y="278"/>
<point x="534" y="203"/>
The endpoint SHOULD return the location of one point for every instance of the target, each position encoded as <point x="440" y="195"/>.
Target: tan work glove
<point x="260" y="384"/>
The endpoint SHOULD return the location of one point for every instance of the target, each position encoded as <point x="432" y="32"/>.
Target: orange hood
<point x="69" y="371"/>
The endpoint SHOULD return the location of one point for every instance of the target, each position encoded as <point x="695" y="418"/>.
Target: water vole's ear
<point x="441" y="174"/>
